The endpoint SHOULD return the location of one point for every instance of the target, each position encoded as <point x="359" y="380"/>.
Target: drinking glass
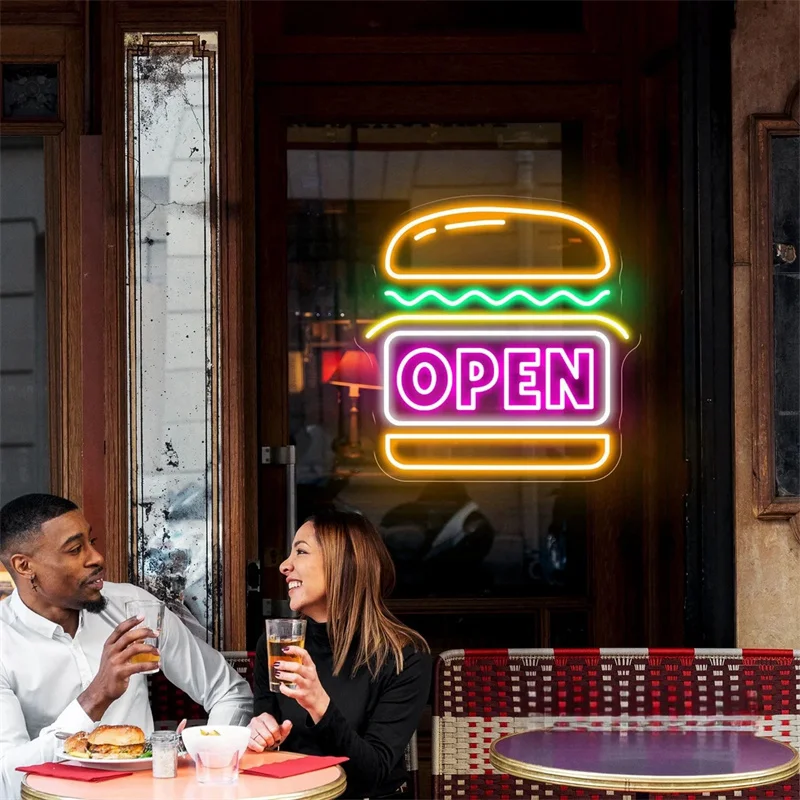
<point x="153" y="612"/>
<point x="217" y="767"/>
<point x="283" y="633"/>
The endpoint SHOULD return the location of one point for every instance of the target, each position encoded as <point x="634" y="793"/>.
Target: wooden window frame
<point x="764" y="128"/>
<point x="236" y="292"/>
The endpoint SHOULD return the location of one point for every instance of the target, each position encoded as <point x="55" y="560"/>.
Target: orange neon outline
<point x="502" y="467"/>
<point x="496" y="319"/>
<point x="474" y="223"/>
<point x="423" y="234"/>
<point x="601" y="272"/>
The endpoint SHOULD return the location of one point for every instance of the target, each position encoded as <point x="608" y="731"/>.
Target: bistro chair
<point x="480" y="695"/>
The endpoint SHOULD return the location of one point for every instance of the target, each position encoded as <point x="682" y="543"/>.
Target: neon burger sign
<point x="499" y="365"/>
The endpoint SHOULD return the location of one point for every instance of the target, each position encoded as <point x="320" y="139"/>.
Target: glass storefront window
<point x="24" y="428"/>
<point x="348" y="185"/>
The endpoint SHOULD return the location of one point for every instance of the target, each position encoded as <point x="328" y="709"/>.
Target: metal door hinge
<point x="278" y="456"/>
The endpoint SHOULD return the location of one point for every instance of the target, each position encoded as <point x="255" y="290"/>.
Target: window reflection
<point x="348" y="185"/>
<point x="23" y="319"/>
<point x="24" y="430"/>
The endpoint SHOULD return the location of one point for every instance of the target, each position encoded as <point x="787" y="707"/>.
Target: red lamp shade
<point x="330" y="363"/>
<point x="357" y="369"/>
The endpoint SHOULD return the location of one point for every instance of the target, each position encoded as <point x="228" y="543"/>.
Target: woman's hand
<point x="266" y="732"/>
<point x="308" y="690"/>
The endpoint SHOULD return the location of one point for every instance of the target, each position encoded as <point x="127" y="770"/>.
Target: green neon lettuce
<point x="434" y="296"/>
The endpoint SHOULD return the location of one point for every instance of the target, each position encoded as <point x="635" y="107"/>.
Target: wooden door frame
<point x="601" y="34"/>
<point x="596" y="107"/>
<point x="706" y="143"/>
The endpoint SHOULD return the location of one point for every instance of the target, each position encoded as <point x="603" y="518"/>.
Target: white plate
<point x="126" y="764"/>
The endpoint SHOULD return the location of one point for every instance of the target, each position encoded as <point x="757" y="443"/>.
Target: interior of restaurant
<point x="195" y="201"/>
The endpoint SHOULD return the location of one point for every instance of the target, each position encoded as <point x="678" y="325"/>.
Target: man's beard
<point x="95" y="606"/>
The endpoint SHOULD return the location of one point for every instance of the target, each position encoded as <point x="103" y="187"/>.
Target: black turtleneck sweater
<point x="368" y="720"/>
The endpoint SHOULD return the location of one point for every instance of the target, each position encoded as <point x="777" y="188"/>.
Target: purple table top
<point x="650" y="759"/>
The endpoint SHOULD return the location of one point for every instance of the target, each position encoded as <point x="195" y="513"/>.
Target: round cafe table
<point x="645" y="761"/>
<point x="323" y="784"/>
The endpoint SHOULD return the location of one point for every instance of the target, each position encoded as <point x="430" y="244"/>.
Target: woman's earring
<point x="33" y="583"/>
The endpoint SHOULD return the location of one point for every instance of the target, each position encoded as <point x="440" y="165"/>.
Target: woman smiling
<point x="363" y="677"/>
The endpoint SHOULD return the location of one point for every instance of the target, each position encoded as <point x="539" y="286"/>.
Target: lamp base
<point x="350" y="453"/>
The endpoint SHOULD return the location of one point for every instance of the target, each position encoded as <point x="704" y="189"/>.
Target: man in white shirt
<point x="66" y="645"/>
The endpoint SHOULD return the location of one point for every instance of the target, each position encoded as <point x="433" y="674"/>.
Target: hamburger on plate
<point x="76" y="745"/>
<point x="107" y="741"/>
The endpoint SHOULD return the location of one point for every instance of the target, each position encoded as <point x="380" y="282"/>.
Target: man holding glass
<point x="70" y="655"/>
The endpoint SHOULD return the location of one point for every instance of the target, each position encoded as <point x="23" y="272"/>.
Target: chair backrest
<point x="170" y="705"/>
<point x="480" y="695"/>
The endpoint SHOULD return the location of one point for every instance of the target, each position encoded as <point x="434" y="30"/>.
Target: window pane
<point x="173" y="322"/>
<point x="451" y="631"/>
<point x="786" y="324"/>
<point x="24" y="429"/>
<point x="23" y="319"/>
<point x="569" y="629"/>
<point x="30" y="91"/>
<point x="447" y="539"/>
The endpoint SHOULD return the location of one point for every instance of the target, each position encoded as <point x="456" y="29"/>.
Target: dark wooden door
<point x="352" y="131"/>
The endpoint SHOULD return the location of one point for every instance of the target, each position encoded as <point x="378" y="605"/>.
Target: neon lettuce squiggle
<point x="497" y="302"/>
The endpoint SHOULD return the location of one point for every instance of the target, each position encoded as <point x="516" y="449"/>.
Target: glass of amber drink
<point x="153" y="613"/>
<point x="283" y="633"/>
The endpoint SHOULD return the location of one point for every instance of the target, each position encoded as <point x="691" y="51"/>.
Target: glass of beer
<point x="283" y="633"/>
<point x="153" y="613"/>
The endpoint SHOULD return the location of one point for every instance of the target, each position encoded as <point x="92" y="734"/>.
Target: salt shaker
<point x="165" y="754"/>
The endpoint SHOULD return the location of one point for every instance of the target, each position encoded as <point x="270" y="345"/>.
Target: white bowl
<point x="231" y="737"/>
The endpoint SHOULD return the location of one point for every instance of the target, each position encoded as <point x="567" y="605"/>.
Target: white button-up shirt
<point x="43" y="670"/>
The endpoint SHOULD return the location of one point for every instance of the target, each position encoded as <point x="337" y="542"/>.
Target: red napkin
<point x="294" y="766"/>
<point x="72" y="772"/>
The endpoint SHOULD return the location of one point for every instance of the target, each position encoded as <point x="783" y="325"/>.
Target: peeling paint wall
<point x="765" y="65"/>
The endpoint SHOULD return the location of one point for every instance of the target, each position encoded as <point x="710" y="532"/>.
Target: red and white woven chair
<point x="480" y="695"/>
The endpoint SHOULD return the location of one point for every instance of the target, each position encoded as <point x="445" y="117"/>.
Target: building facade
<point x="195" y="200"/>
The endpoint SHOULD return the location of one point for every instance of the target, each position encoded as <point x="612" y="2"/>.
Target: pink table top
<point x="324" y="784"/>
<point x="671" y="761"/>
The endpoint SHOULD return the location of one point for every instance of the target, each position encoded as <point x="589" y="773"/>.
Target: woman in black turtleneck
<point x="364" y="677"/>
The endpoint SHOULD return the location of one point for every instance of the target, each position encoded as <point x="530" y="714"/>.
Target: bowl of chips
<point x="211" y="738"/>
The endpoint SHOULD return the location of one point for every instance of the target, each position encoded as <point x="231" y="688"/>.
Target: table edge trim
<point x="643" y="783"/>
<point x="328" y="792"/>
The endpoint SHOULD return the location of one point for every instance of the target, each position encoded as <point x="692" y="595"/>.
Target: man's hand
<point x="265" y="732"/>
<point x="116" y="668"/>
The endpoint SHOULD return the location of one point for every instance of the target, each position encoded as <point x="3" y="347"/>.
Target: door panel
<point x="338" y="166"/>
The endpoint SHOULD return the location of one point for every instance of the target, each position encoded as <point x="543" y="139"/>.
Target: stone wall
<point x="765" y="66"/>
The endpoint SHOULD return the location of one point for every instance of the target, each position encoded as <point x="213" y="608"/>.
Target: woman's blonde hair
<point x="359" y="574"/>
